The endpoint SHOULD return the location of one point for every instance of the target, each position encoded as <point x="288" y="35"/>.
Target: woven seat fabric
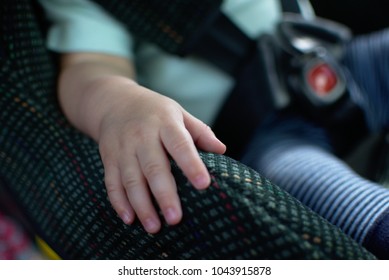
<point x="56" y="176"/>
<point x="175" y="32"/>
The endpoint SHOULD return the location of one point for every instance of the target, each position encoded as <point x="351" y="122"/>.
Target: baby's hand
<point x="135" y="138"/>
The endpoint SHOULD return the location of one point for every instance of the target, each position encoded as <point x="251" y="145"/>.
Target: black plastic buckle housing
<point x="305" y="46"/>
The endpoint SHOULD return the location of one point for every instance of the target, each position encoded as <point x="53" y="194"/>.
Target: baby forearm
<point x="86" y="87"/>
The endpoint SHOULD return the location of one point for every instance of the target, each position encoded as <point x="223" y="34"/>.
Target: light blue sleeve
<point x="83" y="26"/>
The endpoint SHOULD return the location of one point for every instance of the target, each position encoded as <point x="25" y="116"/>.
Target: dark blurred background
<point x="362" y="16"/>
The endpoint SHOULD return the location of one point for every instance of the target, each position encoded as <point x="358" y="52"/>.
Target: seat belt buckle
<point x="324" y="82"/>
<point x="309" y="54"/>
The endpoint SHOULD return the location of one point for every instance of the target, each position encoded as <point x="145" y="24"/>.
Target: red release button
<point x="322" y="79"/>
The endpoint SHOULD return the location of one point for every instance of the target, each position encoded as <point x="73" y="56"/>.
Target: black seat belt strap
<point x="302" y="7"/>
<point x="230" y="49"/>
<point x="224" y="45"/>
<point x="227" y="46"/>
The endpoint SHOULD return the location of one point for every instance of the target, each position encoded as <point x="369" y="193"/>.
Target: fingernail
<point x="126" y="218"/>
<point x="171" y="215"/>
<point x="201" y="182"/>
<point x="151" y="225"/>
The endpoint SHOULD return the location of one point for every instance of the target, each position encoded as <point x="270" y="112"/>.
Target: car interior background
<point x="18" y="240"/>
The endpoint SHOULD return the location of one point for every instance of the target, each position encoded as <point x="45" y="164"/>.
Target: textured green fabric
<point x="56" y="175"/>
<point x="162" y="24"/>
